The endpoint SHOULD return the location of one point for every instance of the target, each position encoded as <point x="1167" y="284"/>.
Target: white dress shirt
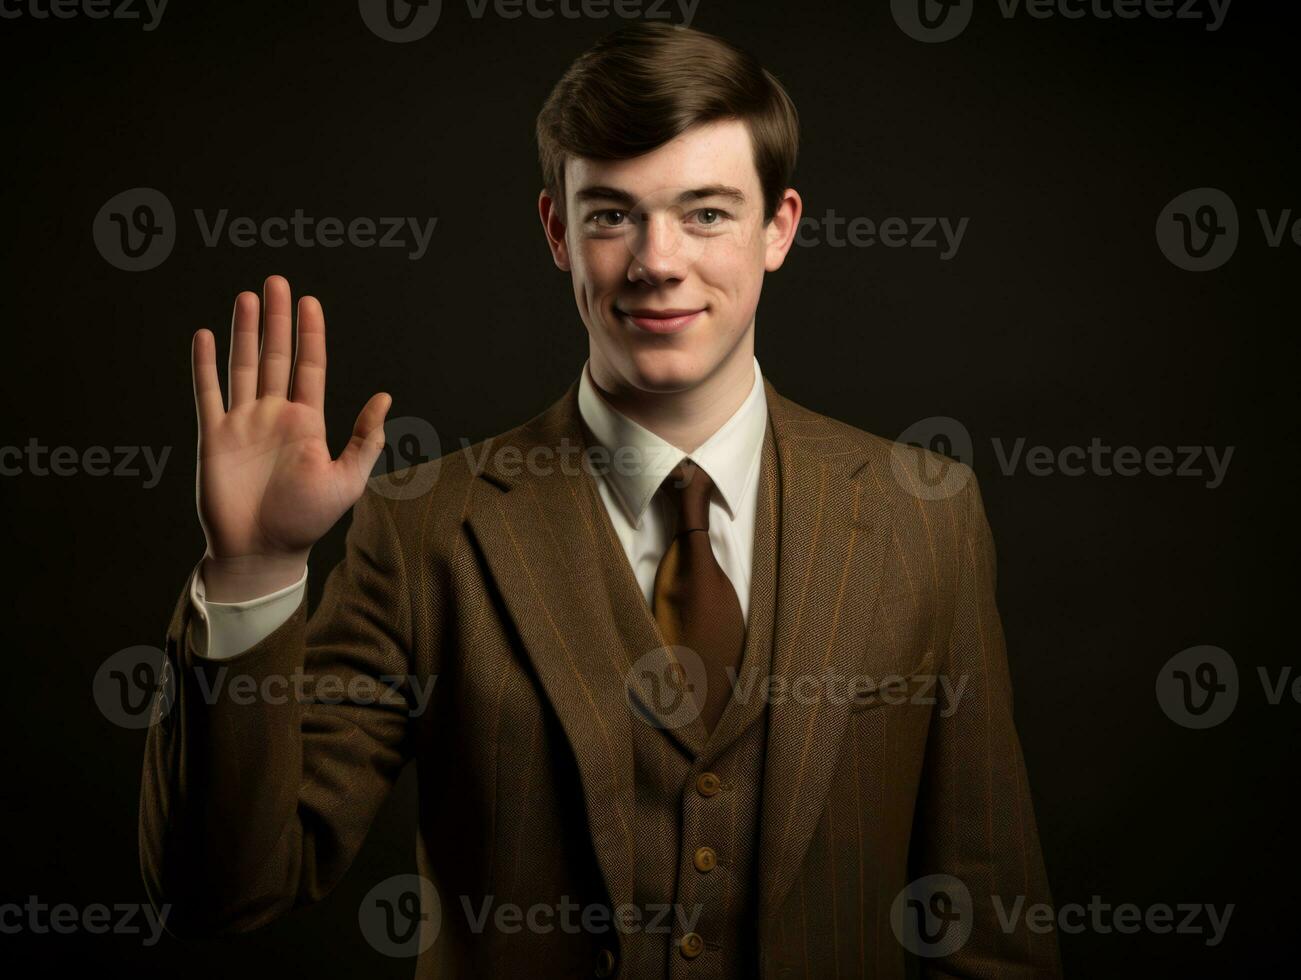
<point x="642" y="517"/>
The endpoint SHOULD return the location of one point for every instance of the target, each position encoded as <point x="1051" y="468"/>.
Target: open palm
<point x="267" y="487"/>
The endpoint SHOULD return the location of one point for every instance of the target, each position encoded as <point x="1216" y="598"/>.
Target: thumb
<point x="358" y="457"/>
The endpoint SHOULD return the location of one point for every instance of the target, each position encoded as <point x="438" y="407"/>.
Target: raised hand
<point x="267" y="487"/>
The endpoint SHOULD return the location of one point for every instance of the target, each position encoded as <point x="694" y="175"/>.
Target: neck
<point x="688" y="417"/>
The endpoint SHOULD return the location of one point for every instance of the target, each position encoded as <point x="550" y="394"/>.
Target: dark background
<point x="1059" y="320"/>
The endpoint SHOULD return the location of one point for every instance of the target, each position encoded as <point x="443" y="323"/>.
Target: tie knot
<point x="688" y="485"/>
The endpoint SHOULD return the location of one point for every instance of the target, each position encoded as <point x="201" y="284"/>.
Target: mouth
<point x="660" y="321"/>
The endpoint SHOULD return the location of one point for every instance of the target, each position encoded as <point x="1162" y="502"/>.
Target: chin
<point x="664" y="369"/>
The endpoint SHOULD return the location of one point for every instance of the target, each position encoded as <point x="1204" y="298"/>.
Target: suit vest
<point x="697" y="794"/>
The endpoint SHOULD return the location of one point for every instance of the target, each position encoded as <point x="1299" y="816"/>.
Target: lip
<point x="660" y="321"/>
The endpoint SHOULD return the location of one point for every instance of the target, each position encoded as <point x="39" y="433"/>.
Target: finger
<point x="207" y="387"/>
<point x="367" y="442"/>
<point x="309" y="362"/>
<point x="277" y="338"/>
<point x="243" y="349"/>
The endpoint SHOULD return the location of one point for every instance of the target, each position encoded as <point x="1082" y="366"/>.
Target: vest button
<point x="706" y="859"/>
<point x="708" y="784"/>
<point x="692" y="945"/>
<point x="605" y="963"/>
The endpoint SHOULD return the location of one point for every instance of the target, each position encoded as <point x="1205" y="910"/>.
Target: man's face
<point x="667" y="253"/>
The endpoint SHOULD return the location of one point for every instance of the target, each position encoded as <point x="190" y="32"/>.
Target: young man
<point x="686" y="718"/>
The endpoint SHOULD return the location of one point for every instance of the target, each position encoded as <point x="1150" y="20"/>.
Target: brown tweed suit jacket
<point x="251" y="807"/>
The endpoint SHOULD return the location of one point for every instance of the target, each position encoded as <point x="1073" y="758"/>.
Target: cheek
<point x="599" y="264"/>
<point x="734" y="272"/>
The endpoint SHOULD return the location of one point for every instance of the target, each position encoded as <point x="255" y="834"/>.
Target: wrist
<point x="245" y="577"/>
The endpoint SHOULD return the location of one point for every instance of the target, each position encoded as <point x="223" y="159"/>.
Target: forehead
<point x="718" y="152"/>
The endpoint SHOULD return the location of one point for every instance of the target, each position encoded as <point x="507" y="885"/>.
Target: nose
<point x="658" y="250"/>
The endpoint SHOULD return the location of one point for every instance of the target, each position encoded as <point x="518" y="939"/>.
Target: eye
<point x="709" y="217"/>
<point x="614" y="215"/>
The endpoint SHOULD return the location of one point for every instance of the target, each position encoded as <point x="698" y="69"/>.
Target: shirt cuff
<point x="229" y="628"/>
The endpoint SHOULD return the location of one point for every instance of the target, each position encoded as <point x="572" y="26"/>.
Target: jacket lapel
<point x="536" y="516"/>
<point x="835" y="529"/>
<point x="539" y="521"/>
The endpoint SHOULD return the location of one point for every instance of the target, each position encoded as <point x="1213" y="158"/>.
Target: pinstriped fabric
<point x="538" y="786"/>
<point x="672" y="819"/>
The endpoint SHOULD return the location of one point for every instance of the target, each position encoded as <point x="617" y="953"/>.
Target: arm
<point x="252" y="803"/>
<point x="266" y="765"/>
<point x="975" y="820"/>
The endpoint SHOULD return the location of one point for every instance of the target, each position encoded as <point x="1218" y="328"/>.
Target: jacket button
<point x="708" y="784"/>
<point x="605" y="963"/>
<point x="692" y="945"/>
<point x="706" y="859"/>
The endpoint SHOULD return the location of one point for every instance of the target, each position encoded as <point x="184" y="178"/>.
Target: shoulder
<point x="428" y="503"/>
<point x="920" y="487"/>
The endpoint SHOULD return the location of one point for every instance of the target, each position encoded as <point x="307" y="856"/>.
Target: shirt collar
<point x="728" y="456"/>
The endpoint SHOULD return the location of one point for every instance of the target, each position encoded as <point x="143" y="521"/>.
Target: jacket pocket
<point x="894" y="687"/>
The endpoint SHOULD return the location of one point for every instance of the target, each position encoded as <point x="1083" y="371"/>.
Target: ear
<point x="553" y="224"/>
<point x="780" y="231"/>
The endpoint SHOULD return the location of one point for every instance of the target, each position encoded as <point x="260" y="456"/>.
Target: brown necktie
<point x="695" y="602"/>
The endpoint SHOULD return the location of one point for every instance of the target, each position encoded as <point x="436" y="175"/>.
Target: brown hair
<point x="641" y="86"/>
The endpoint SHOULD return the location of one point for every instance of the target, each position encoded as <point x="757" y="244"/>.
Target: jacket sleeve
<point x="976" y="827"/>
<point x="263" y="771"/>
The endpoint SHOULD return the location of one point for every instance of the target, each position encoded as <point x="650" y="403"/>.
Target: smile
<point x="660" y="321"/>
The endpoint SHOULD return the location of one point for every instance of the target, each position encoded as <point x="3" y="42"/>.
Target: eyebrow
<point x="614" y="194"/>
